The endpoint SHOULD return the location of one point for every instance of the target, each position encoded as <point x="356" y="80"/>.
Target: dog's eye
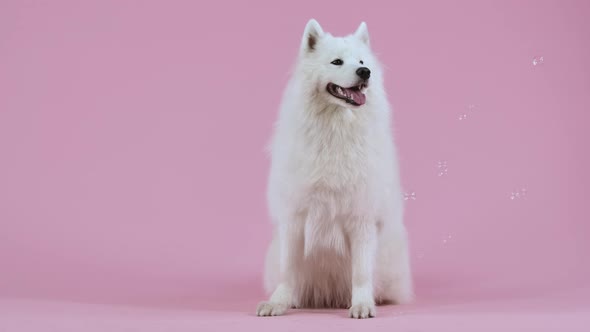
<point x="362" y="63"/>
<point x="337" y="62"/>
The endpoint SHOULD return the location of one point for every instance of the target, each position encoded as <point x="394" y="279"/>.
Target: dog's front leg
<point x="363" y="246"/>
<point x="282" y="297"/>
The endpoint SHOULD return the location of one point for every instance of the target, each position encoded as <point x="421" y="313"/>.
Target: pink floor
<point x="133" y="172"/>
<point x="542" y="310"/>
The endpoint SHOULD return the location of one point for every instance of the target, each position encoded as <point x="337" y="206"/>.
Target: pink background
<point x="133" y="175"/>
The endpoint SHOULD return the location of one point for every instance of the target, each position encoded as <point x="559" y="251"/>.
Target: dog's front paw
<point x="270" y="309"/>
<point x="362" y="310"/>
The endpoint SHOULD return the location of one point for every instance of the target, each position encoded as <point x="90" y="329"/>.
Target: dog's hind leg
<point x="288" y="246"/>
<point x="394" y="277"/>
<point x="271" y="265"/>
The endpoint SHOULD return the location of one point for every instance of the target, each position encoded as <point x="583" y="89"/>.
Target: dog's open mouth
<point x="352" y="95"/>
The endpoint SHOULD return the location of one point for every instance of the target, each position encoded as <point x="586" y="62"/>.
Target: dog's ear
<point x="313" y="32"/>
<point x="362" y="33"/>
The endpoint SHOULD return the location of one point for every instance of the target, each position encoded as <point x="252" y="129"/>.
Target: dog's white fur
<point x="334" y="190"/>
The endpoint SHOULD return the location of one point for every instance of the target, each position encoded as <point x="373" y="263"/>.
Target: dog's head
<point x="339" y="69"/>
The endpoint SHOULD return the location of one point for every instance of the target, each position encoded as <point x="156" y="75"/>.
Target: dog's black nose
<point x="363" y="73"/>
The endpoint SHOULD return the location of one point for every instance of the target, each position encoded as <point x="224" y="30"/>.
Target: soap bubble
<point x="518" y="194"/>
<point x="410" y="196"/>
<point x="442" y="167"/>
<point x="538" y="61"/>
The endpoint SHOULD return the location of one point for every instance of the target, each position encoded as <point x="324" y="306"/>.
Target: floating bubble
<point x="410" y="196"/>
<point x="470" y="108"/>
<point x="447" y="239"/>
<point x="538" y="60"/>
<point x="518" y="194"/>
<point x="442" y="167"/>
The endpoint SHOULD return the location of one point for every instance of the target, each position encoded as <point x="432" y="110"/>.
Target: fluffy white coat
<point x="334" y="190"/>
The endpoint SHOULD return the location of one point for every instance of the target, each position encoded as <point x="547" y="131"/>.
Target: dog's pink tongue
<point x="357" y="96"/>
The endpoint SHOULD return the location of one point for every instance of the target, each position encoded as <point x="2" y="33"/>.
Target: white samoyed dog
<point x="334" y="191"/>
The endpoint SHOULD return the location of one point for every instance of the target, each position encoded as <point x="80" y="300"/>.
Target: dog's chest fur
<point x="334" y="151"/>
<point x="334" y="166"/>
